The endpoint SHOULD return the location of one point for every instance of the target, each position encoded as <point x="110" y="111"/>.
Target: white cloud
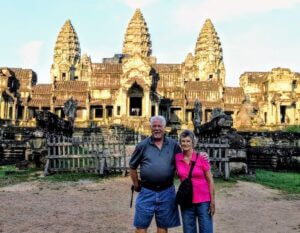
<point x="30" y="53"/>
<point x="138" y="3"/>
<point x="191" y="13"/>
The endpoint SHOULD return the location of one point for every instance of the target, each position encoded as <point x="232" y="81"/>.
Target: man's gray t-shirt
<point x="157" y="166"/>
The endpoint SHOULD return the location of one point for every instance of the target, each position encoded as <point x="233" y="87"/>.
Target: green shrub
<point x="292" y="129"/>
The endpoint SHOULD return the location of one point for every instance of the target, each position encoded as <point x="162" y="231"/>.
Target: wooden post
<point x="227" y="168"/>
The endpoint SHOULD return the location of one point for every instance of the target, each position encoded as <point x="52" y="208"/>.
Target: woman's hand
<point x="212" y="207"/>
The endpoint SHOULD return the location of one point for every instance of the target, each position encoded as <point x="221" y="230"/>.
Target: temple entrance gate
<point x="135" y="95"/>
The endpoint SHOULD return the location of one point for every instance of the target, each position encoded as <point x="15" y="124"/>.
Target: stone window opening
<point x="46" y="109"/>
<point x="98" y="112"/>
<point x="109" y="111"/>
<point x="63" y="76"/>
<point x="59" y="112"/>
<point x="20" y="111"/>
<point x="207" y="115"/>
<point x="118" y="110"/>
<point x="135" y="94"/>
<point x="32" y="112"/>
<point x="294" y="85"/>
<point x="210" y="77"/>
<point x="153" y="112"/>
<point x="282" y="114"/>
<point x="265" y="117"/>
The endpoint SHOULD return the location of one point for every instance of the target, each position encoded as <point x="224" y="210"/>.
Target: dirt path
<point x="104" y="207"/>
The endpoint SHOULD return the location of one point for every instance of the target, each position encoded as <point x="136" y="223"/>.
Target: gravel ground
<point x="89" y="206"/>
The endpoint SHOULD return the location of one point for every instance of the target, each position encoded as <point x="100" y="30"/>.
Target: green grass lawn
<point x="10" y="175"/>
<point x="285" y="181"/>
<point x="288" y="182"/>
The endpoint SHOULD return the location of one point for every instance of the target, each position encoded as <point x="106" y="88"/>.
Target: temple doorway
<point x="135" y="94"/>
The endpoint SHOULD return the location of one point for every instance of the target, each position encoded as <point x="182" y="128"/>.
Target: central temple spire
<point x="67" y="44"/>
<point x="66" y="54"/>
<point x="208" y="54"/>
<point x="137" y="37"/>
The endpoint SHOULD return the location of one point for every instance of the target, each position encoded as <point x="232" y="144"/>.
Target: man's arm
<point x="133" y="164"/>
<point x="204" y="155"/>
<point x="135" y="179"/>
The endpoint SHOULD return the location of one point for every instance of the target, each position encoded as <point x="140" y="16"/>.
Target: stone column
<point x="203" y="116"/>
<point x="52" y="109"/>
<point x="127" y="106"/>
<point x="147" y="104"/>
<point x="293" y="120"/>
<point x="278" y="114"/>
<point x="6" y="110"/>
<point x="269" y="111"/>
<point x="168" y="113"/>
<point x="25" y="116"/>
<point x="115" y="110"/>
<point x="104" y="113"/>
<point x="2" y="107"/>
<point x="14" y="110"/>
<point x="87" y="106"/>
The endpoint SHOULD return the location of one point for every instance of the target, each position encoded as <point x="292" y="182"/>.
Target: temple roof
<point x="137" y="37"/>
<point x="205" y="104"/>
<point x="234" y="91"/>
<point x="233" y="96"/>
<point x="71" y="86"/>
<point x="256" y="77"/>
<point x="26" y="77"/>
<point x="67" y="44"/>
<point x="41" y="89"/>
<point x="100" y="68"/>
<point x="208" y="46"/>
<point x="44" y="102"/>
<point x="166" y="68"/>
<point x="202" y="85"/>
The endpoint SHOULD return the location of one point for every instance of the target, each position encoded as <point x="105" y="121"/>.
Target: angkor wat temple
<point x="130" y="87"/>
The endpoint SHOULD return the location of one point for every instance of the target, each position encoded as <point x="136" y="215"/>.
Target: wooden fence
<point x="219" y="153"/>
<point x="85" y="154"/>
<point x="103" y="155"/>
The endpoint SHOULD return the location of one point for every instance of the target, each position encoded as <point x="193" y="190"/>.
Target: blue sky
<point x="256" y="35"/>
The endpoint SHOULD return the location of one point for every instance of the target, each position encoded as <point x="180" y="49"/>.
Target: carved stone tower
<point x="66" y="54"/>
<point x="208" y="55"/>
<point x="137" y="37"/>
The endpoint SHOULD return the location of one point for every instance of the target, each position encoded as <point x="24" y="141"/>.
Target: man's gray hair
<point x="188" y="133"/>
<point x="160" y="118"/>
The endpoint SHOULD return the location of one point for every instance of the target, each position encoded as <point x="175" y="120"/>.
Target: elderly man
<point x="155" y="156"/>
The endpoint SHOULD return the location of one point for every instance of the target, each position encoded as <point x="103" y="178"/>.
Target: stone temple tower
<point x="208" y="55"/>
<point x="137" y="37"/>
<point x="66" y="54"/>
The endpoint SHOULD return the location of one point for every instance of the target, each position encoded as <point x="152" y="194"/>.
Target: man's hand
<point x="137" y="186"/>
<point x="204" y="155"/>
<point x="135" y="180"/>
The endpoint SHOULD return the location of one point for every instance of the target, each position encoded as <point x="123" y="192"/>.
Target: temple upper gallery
<point x="130" y="87"/>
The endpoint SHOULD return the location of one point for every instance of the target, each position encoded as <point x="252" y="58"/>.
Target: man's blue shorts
<point x="162" y="204"/>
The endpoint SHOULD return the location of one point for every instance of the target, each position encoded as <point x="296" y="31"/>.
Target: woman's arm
<point x="211" y="187"/>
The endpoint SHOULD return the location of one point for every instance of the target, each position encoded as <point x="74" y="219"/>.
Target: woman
<point x="203" y="207"/>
